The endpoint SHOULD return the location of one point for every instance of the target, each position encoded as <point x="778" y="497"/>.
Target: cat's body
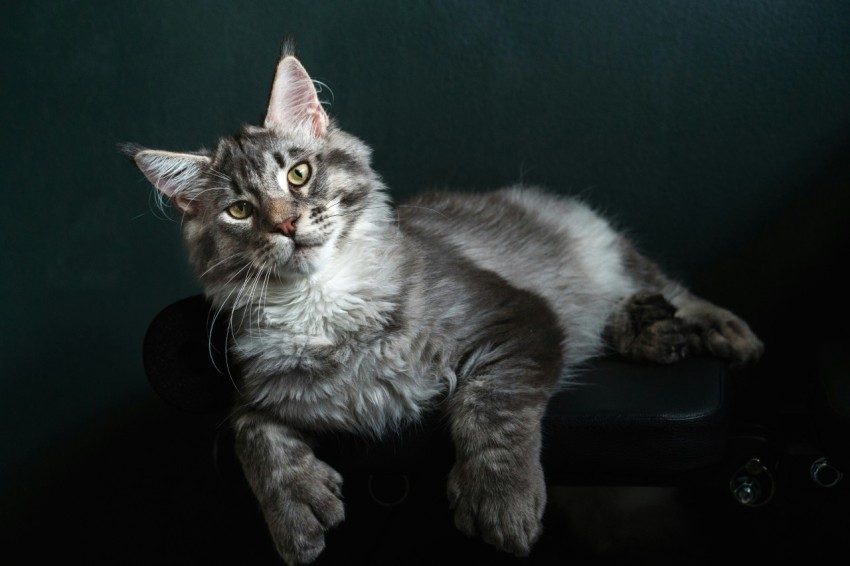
<point x="349" y="314"/>
<point x="407" y="286"/>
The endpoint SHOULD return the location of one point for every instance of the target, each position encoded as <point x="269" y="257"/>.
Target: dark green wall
<point x="715" y="132"/>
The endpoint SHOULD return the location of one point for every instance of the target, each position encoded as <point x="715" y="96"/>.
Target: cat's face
<point x="269" y="202"/>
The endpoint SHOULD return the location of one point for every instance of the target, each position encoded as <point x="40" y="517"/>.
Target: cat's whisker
<point x="158" y="204"/>
<point x="259" y="304"/>
<point x="353" y="211"/>
<point x="211" y="326"/>
<point x="220" y="175"/>
<point x="331" y="202"/>
<point x="227" y="297"/>
<point x="248" y="309"/>
<point x="252" y="303"/>
<point x="235" y="275"/>
<point x="265" y="293"/>
<point x="320" y="87"/>
<point x="236" y="305"/>
<point x="198" y="194"/>
<point x="251" y="307"/>
<point x="216" y="264"/>
<point x="162" y="203"/>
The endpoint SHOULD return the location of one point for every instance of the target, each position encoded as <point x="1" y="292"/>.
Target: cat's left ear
<point x="294" y="104"/>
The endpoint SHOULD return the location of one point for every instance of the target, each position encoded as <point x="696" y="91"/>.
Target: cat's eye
<point x="240" y="210"/>
<point x="299" y="174"/>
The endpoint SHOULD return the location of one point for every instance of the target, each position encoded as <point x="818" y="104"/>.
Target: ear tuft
<point x="130" y="150"/>
<point x="287" y="48"/>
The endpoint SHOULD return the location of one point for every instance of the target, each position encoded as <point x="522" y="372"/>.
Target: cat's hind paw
<point x="733" y="340"/>
<point x="646" y="329"/>
<point x="719" y="332"/>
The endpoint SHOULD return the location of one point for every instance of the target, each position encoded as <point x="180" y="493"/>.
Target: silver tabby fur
<point x="350" y="314"/>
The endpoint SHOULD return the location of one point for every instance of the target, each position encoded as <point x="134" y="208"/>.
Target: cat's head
<point x="279" y="200"/>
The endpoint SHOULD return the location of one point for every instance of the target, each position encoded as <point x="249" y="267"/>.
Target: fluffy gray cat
<point x="350" y="314"/>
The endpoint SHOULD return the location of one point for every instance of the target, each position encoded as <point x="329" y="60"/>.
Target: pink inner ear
<point x="294" y="103"/>
<point x="176" y="175"/>
<point x="166" y="185"/>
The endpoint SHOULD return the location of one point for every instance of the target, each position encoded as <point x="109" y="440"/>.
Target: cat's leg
<point x="300" y="496"/>
<point x="644" y="327"/>
<point x="649" y="326"/>
<point x="496" y="486"/>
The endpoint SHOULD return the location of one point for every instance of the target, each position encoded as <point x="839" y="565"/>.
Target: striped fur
<point x="349" y="313"/>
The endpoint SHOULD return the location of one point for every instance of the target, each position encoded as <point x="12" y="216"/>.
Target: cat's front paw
<point x="308" y="505"/>
<point x="505" y="509"/>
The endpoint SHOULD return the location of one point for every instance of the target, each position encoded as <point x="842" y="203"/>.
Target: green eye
<point x="299" y="174"/>
<point x="240" y="210"/>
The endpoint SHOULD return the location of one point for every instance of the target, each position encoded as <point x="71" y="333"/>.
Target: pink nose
<point x="287" y="227"/>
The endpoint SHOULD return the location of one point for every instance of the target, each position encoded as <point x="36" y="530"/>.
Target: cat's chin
<point x="302" y="260"/>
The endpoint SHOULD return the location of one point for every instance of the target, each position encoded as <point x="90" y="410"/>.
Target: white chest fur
<point x="320" y="358"/>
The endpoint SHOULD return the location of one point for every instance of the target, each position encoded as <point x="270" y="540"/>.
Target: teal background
<point x="716" y="133"/>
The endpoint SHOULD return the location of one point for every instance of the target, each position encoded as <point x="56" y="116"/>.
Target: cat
<point x="351" y="314"/>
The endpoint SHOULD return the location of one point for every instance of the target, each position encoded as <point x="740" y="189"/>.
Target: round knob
<point x="747" y="492"/>
<point x="752" y="485"/>
<point x="825" y="474"/>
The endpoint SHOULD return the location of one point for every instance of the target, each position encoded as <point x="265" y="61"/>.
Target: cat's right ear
<point x="175" y="175"/>
<point x="294" y="104"/>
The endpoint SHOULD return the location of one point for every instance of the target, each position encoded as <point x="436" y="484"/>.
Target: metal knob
<point x="825" y="474"/>
<point x="747" y="492"/>
<point x="752" y="485"/>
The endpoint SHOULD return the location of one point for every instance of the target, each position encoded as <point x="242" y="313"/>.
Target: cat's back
<point x="554" y="246"/>
<point x="524" y="224"/>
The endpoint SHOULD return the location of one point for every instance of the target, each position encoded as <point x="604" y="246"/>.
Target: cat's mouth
<point x="297" y="253"/>
<point x="293" y="245"/>
<point x="305" y="243"/>
<point x="299" y="246"/>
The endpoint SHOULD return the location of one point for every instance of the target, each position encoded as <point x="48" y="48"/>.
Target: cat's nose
<point x="287" y="227"/>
